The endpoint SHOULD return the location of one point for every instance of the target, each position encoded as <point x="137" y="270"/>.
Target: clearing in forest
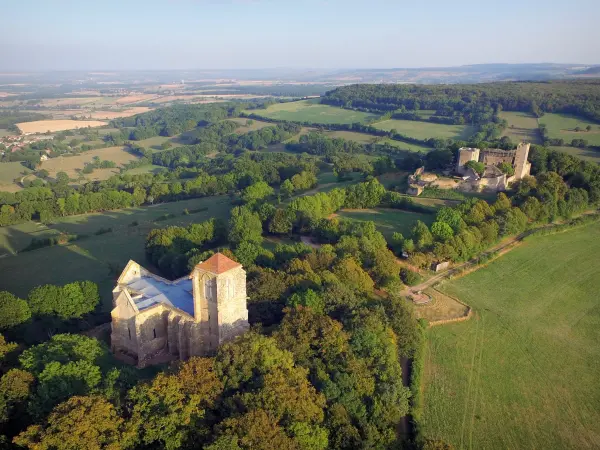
<point x="388" y="220"/>
<point x="425" y="130"/>
<point x="314" y="112"/>
<point x="74" y="163"/>
<point x="564" y="126"/>
<point x="522" y="127"/>
<point x="523" y="371"/>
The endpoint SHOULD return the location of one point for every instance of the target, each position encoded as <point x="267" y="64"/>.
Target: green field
<point x="524" y="372"/>
<point x="587" y="154"/>
<point x="426" y="130"/>
<point x="8" y="172"/>
<point x="89" y="258"/>
<point x="255" y="125"/>
<point x="521" y="127"/>
<point x="313" y="111"/>
<point x="150" y="168"/>
<point x="387" y="220"/>
<point x="365" y="138"/>
<point x="562" y="126"/>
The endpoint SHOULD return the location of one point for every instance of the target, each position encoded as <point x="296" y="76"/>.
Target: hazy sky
<point x="204" y="34"/>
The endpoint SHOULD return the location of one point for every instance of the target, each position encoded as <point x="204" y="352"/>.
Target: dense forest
<point x="467" y="100"/>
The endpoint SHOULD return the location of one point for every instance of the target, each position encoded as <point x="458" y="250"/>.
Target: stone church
<point x="155" y="320"/>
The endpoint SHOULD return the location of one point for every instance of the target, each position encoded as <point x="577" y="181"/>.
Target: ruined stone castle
<point x="493" y="178"/>
<point x="155" y="320"/>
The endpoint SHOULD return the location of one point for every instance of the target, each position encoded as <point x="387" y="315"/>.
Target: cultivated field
<point x="562" y="126"/>
<point x="92" y="257"/>
<point x="313" y="111"/>
<point x="73" y="164"/>
<point x="523" y="372"/>
<point x="41" y="126"/>
<point x="521" y="127"/>
<point x="102" y="115"/>
<point x="387" y="220"/>
<point x="425" y="130"/>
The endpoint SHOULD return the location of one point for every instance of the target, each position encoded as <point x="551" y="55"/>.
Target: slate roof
<point x="149" y="290"/>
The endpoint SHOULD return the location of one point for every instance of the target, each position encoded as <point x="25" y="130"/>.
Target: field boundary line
<point x="469" y="384"/>
<point x="477" y="382"/>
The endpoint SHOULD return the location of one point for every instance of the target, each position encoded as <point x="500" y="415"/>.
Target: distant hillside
<point x="591" y="71"/>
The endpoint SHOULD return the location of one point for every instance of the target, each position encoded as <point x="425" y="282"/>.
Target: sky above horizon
<point x="325" y="34"/>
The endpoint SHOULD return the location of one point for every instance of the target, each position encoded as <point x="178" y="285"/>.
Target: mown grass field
<point x="254" y="125"/>
<point x="523" y="373"/>
<point x="521" y="127"/>
<point x="425" y="130"/>
<point x="387" y="220"/>
<point x="313" y="111"/>
<point x="8" y="172"/>
<point x="73" y="164"/>
<point x="92" y="257"/>
<point x="562" y="126"/>
<point x="365" y="138"/>
<point x="587" y="154"/>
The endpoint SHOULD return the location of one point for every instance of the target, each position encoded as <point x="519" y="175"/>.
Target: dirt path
<point x="502" y="248"/>
<point x="315" y="190"/>
<point x="309" y="241"/>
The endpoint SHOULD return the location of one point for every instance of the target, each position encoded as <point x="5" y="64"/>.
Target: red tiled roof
<point x="218" y="263"/>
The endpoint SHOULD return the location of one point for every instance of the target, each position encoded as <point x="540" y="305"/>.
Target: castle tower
<point x="522" y="166"/>
<point x="219" y="291"/>
<point x="464" y="156"/>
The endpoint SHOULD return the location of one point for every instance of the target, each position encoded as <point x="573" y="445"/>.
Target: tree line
<point x="581" y="97"/>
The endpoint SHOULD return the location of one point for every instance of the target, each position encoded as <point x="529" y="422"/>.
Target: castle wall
<point x="493" y="159"/>
<point x="464" y="156"/>
<point x="522" y="167"/>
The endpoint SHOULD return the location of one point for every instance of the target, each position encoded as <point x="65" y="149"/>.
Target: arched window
<point x="230" y="287"/>
<point x="209" y="289"/>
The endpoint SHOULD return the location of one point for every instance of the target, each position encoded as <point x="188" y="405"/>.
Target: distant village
<point x="15" y="143"/>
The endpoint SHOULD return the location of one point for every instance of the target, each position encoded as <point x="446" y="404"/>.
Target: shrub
<point x="409" y="277"/>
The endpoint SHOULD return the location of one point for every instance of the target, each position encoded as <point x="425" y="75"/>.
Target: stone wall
<point x="162" y="333"/>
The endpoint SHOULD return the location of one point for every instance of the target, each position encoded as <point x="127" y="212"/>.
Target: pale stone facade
<point x="493" y="179"/>
<point x="155" y="320"/>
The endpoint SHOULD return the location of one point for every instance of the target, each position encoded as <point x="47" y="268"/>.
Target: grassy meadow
<point x="313" y="111"/>
<point x="387" y="220"/>
<point x="588" y="154"/>
<point x="8" y="172"/>
<point x="562" y="126"/>
<point x="523" y="372"/>
<point x="426" y="130"/>
<point x="245" y="128"/>
<point x="365" y="138"/>
<point x="521" y="127"/>
<point x="91" y="258"/>
<point x="73" y="164"/>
